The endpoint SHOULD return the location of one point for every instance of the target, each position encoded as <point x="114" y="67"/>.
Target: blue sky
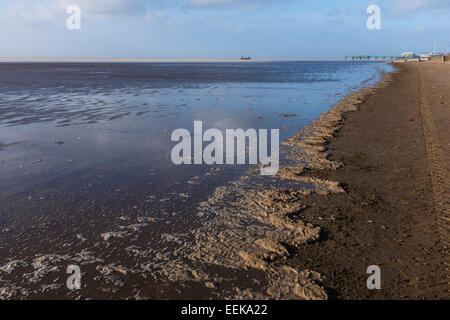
<point x="266" y="29"/>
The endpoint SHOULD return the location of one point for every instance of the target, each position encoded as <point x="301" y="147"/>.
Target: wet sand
<point x="394" y="213"/>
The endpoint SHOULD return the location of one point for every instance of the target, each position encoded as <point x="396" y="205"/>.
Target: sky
<point x="220" y="29"/>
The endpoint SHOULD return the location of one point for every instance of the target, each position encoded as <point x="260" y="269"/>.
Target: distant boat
<point x="246" y="58"/>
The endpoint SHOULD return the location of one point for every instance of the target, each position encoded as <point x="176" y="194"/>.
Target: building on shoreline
<point x="408" y="54"/>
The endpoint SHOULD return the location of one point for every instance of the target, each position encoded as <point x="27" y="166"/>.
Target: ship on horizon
<point x="246" y="57"/>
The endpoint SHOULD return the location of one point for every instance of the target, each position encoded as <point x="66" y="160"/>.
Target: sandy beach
<point x="394" y="213"/>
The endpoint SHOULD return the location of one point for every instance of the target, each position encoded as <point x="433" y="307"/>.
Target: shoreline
<point x="271" y="209"/>
<point x="314" y="233"/>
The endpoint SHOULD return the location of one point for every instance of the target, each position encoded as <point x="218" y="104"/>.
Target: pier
<point x="368" y="58"/>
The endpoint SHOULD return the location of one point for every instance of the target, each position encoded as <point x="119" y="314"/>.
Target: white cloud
<point x="32" y="14"/>
<point x="32" y="11"/>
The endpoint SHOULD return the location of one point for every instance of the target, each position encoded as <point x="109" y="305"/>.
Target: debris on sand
<point x="10" y="292"/>
<point x="81" y="237"/>
<point x="44" y="265"/>
<point x="111" y="268"/>
<point x="303" y="285"/>
<point x="53" y="286"/>
<point x="148" y="219"/>
<point x="136" y="227"/>
<point x="86" y="257"/>
<point x="135" y="250"/>
<point x="210" y="285"/>
<point x="113" y="234"/>
<point x="13" y="265"/>
<point x="45" y="261"/>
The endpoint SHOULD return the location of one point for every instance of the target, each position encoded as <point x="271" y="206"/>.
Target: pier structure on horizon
<point x="374" y="57"/>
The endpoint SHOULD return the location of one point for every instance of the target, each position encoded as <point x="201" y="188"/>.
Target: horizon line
<point x="12" y="59"/>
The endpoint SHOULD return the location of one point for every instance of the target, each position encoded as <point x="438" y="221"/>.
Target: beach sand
<point x="395" y="154"/>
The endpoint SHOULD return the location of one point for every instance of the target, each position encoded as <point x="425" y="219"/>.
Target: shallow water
<point x="84" y="147"/>
<point x="108" y="113"/>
